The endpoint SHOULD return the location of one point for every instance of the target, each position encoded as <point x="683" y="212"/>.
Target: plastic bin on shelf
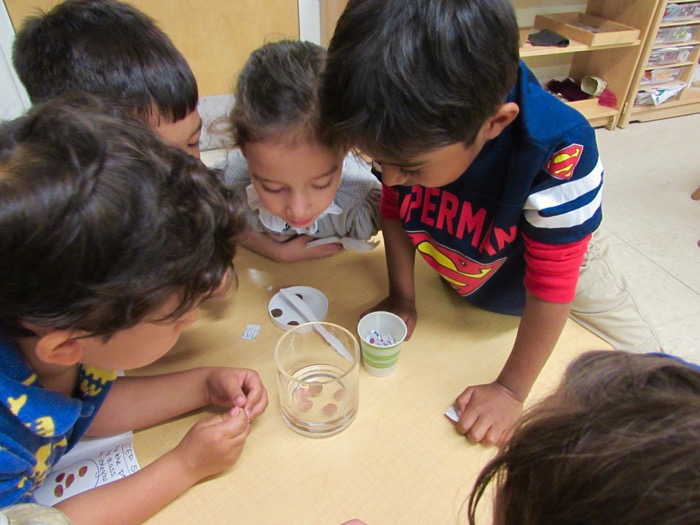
<point x="660" y="76"/>
<point x="678" y="12"/>
<point x="676" y="34"/>
<point x="669" y="55"/>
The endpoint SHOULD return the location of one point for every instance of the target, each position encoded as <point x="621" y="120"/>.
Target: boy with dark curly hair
<point x="110" y="239"/>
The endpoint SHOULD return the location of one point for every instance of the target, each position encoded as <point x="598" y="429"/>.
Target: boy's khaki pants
<point x="604" y="304"/>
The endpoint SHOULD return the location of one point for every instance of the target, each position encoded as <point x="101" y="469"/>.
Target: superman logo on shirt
<point x="464" y="274"/>
<point x="562" y="164"/>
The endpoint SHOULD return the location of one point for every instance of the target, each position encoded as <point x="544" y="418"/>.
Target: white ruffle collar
<point x="275" y="224"/>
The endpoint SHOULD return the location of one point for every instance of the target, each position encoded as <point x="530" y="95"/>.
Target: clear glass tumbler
<point x="317" y="378"/>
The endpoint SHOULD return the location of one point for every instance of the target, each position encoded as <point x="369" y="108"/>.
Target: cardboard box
<point x="588" y="29"/>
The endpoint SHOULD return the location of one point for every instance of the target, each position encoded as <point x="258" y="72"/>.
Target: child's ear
<point x="497" y="122"/>
<point x="60" y="347"/>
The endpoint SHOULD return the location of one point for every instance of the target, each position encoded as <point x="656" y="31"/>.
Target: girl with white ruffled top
<point x="305" y="197"/>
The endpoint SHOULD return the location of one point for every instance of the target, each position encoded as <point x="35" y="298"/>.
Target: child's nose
<point x="392" y="176"/>
<point x="299" y="205"/>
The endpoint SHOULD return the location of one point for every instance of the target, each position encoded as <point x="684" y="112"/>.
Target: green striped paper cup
<point x="381" y="360"/>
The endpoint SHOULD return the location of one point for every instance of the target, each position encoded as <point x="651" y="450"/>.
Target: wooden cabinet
<point x="663" y="83"/>
<point x="330" y="12"/>
<point x="215" y="36"/>
<point x="613" y="58"/>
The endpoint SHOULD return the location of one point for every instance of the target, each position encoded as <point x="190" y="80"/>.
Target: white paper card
<point x="91" y="463"/>
<point x="251" y="331"/>
<point x="452" y="414"/>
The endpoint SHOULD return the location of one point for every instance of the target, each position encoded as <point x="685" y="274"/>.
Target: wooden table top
<point x="400" y="461"/>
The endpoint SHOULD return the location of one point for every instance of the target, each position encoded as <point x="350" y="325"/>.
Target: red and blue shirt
<point x="520" y="216"/>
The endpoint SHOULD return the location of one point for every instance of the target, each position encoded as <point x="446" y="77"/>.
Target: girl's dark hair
<point x="616" y="444"/>
<point x="107" y="48"/>
<point x="101" y="222"/>
<point x="406" y="77"/>
<point x="277" y="92"/>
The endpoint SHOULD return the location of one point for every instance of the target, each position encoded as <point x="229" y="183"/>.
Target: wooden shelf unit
<point x="688" y="100"/>
<point x="615" y="63"/>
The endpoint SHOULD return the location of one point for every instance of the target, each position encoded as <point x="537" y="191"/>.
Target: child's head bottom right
<point x="617" y="443"/>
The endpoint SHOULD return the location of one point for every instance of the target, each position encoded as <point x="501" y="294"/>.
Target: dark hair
<point x="107" y="48"/>
<point x="277" y="92"/>
<point x="406" y="77"/>
<point x="101" y="222"/>
<point x="616" y="444"/>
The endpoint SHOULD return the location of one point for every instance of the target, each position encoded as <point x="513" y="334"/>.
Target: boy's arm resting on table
<point x="488" y="412"/>
<point x="292" y="250"/>
<point x="138" y="402"/>
<point x="400" y="259"/>
<point x="212" y="445"/>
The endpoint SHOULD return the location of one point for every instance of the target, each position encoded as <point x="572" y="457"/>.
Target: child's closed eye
<point x="323" y="186"/>
<point x="410" y="173"/>
<point x="267" y="189"/>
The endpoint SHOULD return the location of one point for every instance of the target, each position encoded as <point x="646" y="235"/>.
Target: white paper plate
<point x="285" y="316"/>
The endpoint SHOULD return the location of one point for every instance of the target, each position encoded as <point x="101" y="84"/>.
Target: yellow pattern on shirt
<point x="16" y="403"/>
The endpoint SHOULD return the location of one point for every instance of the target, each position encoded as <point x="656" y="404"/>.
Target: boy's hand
<point x="404" y="308"/>
<point x="487" y="413"/>
<point x="213" y="444"/>
<point x="237" y="387"/>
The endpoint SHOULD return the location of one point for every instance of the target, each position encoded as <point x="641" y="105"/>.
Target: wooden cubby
<point x="615" y="62"/>
<point x="688" y="100"/>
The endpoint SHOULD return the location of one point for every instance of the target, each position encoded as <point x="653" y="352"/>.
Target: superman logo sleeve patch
<point x="561" y="165"/>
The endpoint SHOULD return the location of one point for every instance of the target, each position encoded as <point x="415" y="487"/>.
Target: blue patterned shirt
<point x="38" y="426"/>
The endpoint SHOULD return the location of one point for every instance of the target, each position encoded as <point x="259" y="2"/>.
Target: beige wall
<point x="215" y="36"/>
<point x="330" y="12"/>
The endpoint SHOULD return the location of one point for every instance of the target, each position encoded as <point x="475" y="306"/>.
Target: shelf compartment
<point x="528" y="50"/>
<point x="676" y="34"/>
<point x="661" y="75"/>
<point x="659" y="95"/>
<point x="669" y="55"/>
<point x="684" y="44"/>
<point x="681" y="11"/>
<point x="689" y="102"/>
<point x="587" y="29"/>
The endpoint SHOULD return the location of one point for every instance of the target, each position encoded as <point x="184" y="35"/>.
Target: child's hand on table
<point x="213" y="444"/>
<point x="237" y="387"/>
<point x="404" y="308"/>
<point x="295" y="249"/>
<point x="487" y="413"/>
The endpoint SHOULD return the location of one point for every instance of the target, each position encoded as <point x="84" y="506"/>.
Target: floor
<point x="651" y="169"/>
